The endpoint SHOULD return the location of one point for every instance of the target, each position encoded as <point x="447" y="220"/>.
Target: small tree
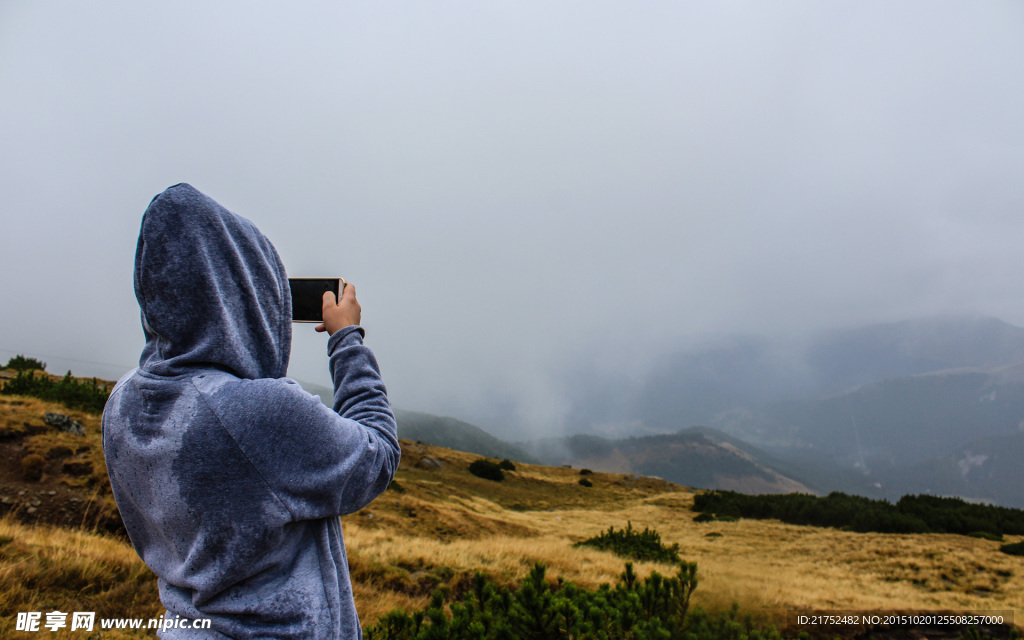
<point x="21" y="363"/>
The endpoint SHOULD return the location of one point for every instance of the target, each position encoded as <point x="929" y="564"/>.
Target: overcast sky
<point x="520" y="189"/>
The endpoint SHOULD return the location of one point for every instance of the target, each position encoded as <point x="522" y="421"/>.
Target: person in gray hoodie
<point x="229" y="476"/>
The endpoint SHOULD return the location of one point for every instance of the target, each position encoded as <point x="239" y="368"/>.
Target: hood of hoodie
<point x="212" y="290"/>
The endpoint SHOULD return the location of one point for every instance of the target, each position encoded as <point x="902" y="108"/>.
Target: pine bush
<point x="639" y="545"/>
<point x="658" y="607"/>
<point x="21" y="363"/>
<point x="1015" y="549"/>
<point x="911" y="514"/>
<point x="87" y="396"/>
<point x="486" y="469"/>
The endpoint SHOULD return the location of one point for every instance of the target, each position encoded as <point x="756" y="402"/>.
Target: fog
<point x="529" y="196"/>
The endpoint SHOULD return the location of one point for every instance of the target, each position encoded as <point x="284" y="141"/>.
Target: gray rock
<point x="428" y="463"/>
<point x="64" y="423"/>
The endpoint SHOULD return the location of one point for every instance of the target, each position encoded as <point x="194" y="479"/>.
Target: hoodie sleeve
<point x="318" y="462"/>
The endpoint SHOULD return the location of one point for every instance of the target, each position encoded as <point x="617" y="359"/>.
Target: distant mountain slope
<point x="901" y="420"/>
<point x="876" y="352"/>
<point x="442" y="431"/>
<point x="456" y="434"/>
<point x="989" y="469"/>
<point x="696" y="457"/>
<point x="701" y="385"/>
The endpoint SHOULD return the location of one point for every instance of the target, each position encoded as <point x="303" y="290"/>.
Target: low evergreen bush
<point x="486" y="469"/>
<point x="21" y="363"/>
<point x="1015" y="549"/>
<point x="985" y="535"/>
<point x="911" y="514"/>
<point x="639" y="545"/>
<point x="87" y="396"/>
<point x="711" y="517"/>
<point x="586" y="483"/>
<point x="658" y="607"/>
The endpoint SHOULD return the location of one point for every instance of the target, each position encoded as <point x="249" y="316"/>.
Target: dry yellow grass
<point x="48" y="569"/>
<point x="767" y="567"/>
<point x="441" y="524"/>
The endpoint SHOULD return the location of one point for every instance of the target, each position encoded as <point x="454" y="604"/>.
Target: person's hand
<point x="339" y="314"/>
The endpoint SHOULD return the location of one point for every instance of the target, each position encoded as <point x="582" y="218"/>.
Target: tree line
<point x="87" y="396"/>
<point x="910" y="514"/>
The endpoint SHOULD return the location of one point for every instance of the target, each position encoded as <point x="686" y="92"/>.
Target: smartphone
<point x="308" y="297"/>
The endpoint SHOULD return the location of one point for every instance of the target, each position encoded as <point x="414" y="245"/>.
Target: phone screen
<point x="308" y="297"/>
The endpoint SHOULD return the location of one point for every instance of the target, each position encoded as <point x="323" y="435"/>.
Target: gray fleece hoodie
<point x="230" y="477"/>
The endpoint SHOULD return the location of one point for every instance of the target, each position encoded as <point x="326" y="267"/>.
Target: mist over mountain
<point x="879" y="410"/>
<point x="720" y="382"/>
<point x="701" y="384"/>
<point x="858" y="356"/>
<point x="924" y="406"/>
<point x="893" y="421"/>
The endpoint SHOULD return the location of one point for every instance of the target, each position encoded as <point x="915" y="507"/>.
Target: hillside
<point x="72" y="487"/>
<point x="987" y="469"/>
<point x="456" y="434"/>
<point x="697" y="457"/>
<point x="442" y="431"/>
<point x="902" y="420"/>
<point x="438" y="525"/>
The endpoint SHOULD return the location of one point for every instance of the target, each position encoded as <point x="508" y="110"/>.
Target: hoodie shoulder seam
<point x="241" y="450"/>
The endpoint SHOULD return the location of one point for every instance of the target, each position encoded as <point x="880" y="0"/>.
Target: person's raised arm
<point x="328" y="462"/>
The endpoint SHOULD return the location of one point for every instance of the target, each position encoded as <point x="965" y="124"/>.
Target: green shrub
<point x="985" y="535"/>
<point x="586" y="483"/>
<point x="486" y="469"/>
<point x="507" y="465"/>
<point x="711" y="517"/>
<point x="87" y="396"/>
<point x="657" y="607"/>
<point x="585" y="472"/>
<point x="21" y="363"/>
<point x="911" y="514"/>
<point x="1015" y="549"/>
<point x="639" y="545"/>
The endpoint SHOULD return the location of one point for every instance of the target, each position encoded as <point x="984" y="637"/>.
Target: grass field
<point x="439" y="524"/>
<point x="766" y="567"/>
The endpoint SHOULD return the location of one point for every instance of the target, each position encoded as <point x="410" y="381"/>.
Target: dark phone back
<point x="308" y="297"/>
